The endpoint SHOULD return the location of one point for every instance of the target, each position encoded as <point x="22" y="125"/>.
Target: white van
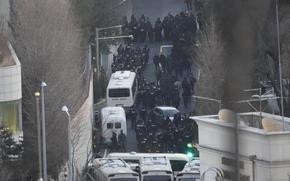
<point x="191" y="172"/>
<point x="113" y="170"/>
<point x="113" y="119"/>
<point x="177" y="160"/>
<point x="122" y="89"/>
<point x="155" y="169"/>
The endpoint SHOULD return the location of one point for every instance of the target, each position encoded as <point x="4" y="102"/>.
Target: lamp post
<point x="43" y="84"/>
<point x="37" y="94"/>
<point x="70" y="163"/>
<point x="280" y="64"/>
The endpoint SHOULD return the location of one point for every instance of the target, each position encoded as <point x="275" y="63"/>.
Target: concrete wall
<point x="82" y="127"/>
<point x="4" y="8"/>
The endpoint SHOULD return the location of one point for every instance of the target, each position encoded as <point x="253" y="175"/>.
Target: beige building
<point x="263" y="155"/>
<point x="10" y="87"/>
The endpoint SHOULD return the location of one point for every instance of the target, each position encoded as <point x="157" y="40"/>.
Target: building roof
<point x="6" y="58"/>
<point x="245" y="122"/>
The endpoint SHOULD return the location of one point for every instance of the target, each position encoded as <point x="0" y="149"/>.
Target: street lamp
<point x="70" y="163"/>
<point x="37" y="94"/>
<point x="43" y="84"/>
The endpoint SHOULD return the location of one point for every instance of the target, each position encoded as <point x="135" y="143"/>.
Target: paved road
<point x="154" y="9"/>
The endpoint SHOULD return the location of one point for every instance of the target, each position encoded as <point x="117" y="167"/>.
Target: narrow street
<point x="154" y="9"/>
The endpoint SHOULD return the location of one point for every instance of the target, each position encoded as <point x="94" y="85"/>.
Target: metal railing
<point x="219" y="174"/>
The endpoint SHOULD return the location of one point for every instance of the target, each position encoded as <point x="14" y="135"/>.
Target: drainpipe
<point x="253" y="158"/>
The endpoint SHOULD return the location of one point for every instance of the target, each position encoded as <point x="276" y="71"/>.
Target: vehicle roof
<point x="134" y="155"/>
<point x="191" y="167"/>
<point x="113" y="111"/>
<point x="121" y="79"/>
<point x="155" y="164"/>
<point x="113" y="166"/>
<point x="165" y="108"/>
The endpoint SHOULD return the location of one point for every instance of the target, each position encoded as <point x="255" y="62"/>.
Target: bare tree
<point x="2" y="23"/>
<point x="48" y="43"/>
<point x="210" y="55"/>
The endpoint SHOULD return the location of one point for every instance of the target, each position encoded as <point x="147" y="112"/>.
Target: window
<point x="157" y="178"/>
<point x="10" y="115"/>
<point x="119" y="92"/>
<point x="118" y="125"/>
<point x="109" y="125"/>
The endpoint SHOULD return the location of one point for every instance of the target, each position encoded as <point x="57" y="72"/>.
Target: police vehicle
<point x="191" y="172"/>
<point x="122" y="89"/>
<point x="113" y="170"/>
<point x="177" y="160"/>
<point x="155" y="169"/>
<point x="113" y="119"/>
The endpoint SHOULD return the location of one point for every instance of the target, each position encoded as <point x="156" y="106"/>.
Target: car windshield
<point x="169" y="112"/>
<point x="123" y="179"/>
<point x="157" y="178"/>
<point x="188" y="179"/>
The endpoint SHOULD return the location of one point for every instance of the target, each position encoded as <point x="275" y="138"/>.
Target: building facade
<point x="10" y="88"/>
<point x="263" y="155"/>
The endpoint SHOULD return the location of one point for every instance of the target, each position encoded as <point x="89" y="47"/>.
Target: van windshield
<point x="157" y="178"/>
<point x="123" y="179"/>
<point x="188" y="179"/>
<point x="177" y="165"/>
<point x="119" y="92"/>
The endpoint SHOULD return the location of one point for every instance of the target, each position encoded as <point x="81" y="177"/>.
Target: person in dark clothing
<point x="133" y="117"/>
<point x="162" y="60"/>
<point x="156" y="61"/>
<point x="192" y="82"/>
<point x="176" y="101"/>
<point x="122" y="140"/>
<point x="186" y="92"/>
<point x="143" y="114"/>
<point x="150" y="32"/>
<point x="114" y="141"/>
<point x="177" y="119"/>
<point x="185" y="85"/>
<point x="158" y="30"/>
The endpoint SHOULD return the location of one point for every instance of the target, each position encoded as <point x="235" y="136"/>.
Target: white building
<point x="10" y="88"/>
<point x="263" y="155"/>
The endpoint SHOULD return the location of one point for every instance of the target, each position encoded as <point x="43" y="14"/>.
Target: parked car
<point x="160" y="113"/>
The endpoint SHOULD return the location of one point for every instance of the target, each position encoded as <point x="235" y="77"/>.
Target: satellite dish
<point x="271" y="125"/>
<point x="227" y="115"/>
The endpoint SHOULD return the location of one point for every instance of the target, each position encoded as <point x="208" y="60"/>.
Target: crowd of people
<point x="171" y="88"/>
<point x="173" y="137"/>
<point x="130" y="58"/>
<point x="170" y="28"/>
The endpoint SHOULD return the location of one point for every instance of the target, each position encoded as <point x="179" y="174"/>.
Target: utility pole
<point x="97" y="63"/>
<point x="280" y="64"/>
